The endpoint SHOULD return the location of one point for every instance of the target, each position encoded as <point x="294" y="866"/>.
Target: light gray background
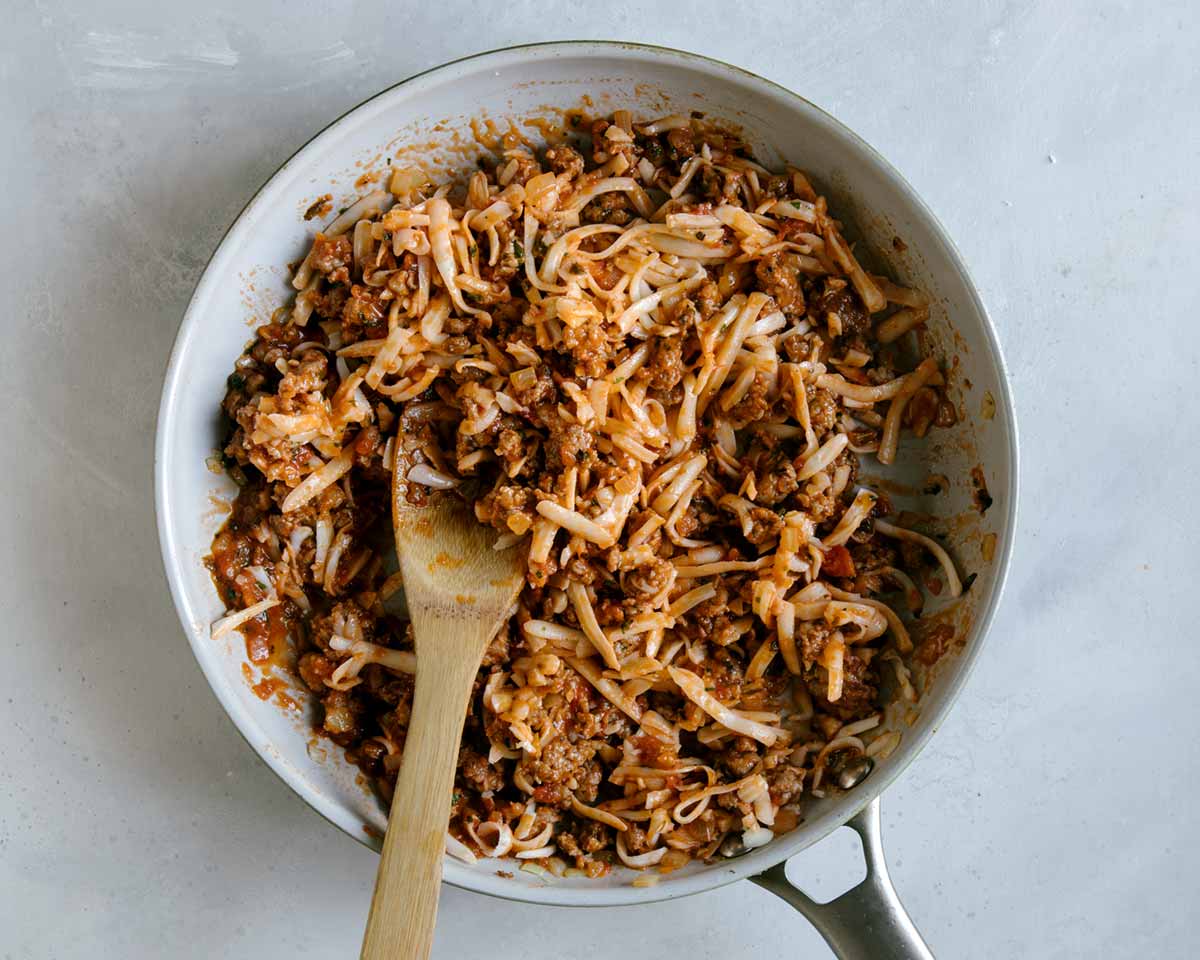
<point x="1053" y="815"/>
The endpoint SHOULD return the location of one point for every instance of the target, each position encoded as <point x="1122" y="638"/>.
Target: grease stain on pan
<point x="268" y="687"/>
<point x="219" y="508"/>
<point x="262" y="290"/>
<point x="444" y="559"/>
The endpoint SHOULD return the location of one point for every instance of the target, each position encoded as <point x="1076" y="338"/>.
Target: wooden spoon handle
<point x="404" y="906"/>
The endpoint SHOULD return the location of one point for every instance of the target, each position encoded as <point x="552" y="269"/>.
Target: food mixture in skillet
<point x="653" y="365"/>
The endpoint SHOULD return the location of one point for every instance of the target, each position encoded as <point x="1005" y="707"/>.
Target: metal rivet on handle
<point x="854" y="772"/>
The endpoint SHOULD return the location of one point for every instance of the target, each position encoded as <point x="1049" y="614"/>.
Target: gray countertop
<point x="1059" y="143"/>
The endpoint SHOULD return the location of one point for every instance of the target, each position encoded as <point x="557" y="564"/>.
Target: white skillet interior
<point x="246" y="279"/>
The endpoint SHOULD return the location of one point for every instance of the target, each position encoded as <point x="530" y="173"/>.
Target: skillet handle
<point x="867" y="922"/>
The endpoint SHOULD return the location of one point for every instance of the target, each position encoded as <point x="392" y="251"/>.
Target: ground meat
<point x="608" y="208"/>
<point x="526" y="167"/>
<point x="587" y="716"/>
<point x="665" y="367"/>
<point x="724" y="632"/>
<point x="822" y="409"/>
<point x="775" y="481"/>
<point x="650" y="578"/>
<point x="710" y="183"/>
<point x="860" y="692"/>
<point x="803" y="346"/>
<point x="499" y="650"/>
<point x="315" y="669"/>
<point x="811" y="638"/>
<point x="565" y="159"/>
<point x="343" y="716"/>
<point x="329" y="304"/>
<point x="368" y="445"/>
<point x="599" y="151"/>
<point x="753" y="406"/>
<point x="306" y="375"/>
<point x="779" y="276"/>
<point x="387" y="687"/>
<point x="566" y="843"/>
<point x="567" y="768"/>
<point x="841" y="301"/>
<point x="275" y="342"/>
<point x="707" y="299"/>
<point x="538" y="392"/>
<point x="610" y="613"/>
<point x="594" y="836"/>
<point x="368" y="757"/>
<point x="689" y="523"/>
<point x="344" y="619"/>
<point x="739" y="757"/>
<point x="332" y="256"/>
<point x="585" y="838"/>
<point x="717" y="604"/>
<point x="723" y="676"/>
<point x="785" y="784"/>
<point x="365" y="315"/>
<point x="680" y="144"/>
<point x="821" y="505"/>
<point x="517" y="449"/>
<point x="280" y="461"/>
<point x="764" y="526"/>
<point x="475" y="770"/>
<point x="873" y="553"/>
<point x="588" y="347"/>
<point x="507" y="264"/>
<point x="635" y="841"/>
<point x="568" y="444"/>
<point x="579" y="570"/>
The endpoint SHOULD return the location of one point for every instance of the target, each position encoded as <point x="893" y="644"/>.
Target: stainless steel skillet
<point x="431" y="113"/>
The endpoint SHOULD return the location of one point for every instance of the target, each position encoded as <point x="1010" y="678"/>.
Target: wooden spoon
<point x="458" y="590"/>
